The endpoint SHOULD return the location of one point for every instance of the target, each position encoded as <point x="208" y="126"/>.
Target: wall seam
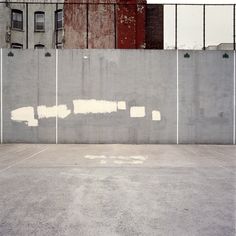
<point x="1" y="96"/>
<point x="177" y="87"/>
<point x="56" y="96"/>
<point x="234" y="102"/>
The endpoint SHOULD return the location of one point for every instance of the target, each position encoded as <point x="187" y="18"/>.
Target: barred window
<point x="39" y="21"/>
<point x="17" y="19"/>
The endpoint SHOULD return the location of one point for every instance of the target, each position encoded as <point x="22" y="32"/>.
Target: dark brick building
<point x="120" y="24"/>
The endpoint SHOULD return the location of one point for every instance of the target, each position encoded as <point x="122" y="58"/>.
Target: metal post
<point x="234" y="26"/>
<point x="204" y="27"/>
<point x="27" y="26"/>
<point x="115" y="23"/>
<point x="87" y="25"/>
<point x="56" y="16"/>
<point x="176" y="26"/>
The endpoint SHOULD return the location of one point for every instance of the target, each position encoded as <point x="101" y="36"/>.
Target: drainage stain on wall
<point x="81" y="107"/>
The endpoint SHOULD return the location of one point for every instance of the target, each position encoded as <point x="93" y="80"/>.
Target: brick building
<point x="80" y="24"/>
<point x="120" y="24"/>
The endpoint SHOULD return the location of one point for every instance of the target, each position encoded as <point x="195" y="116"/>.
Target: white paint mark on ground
<point x="27" y="158"/>
<point x="118" y="159"/>
<point x="121" y="105"/>
<point x="94" y="106"/>
<point x="103" y="162"/>
<point x="137" y="112"/>
<point x="156" y="115"/>
<point x="48" y="112"/>
<point x="26" y="115"/>
<point x="128" y="162"/>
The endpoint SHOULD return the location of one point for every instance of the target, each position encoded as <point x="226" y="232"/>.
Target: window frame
<point x="22" y="22"/>
<point x="18" y="46"/>
<point x="56" y="20"/>
<point x="35" y="21"/>
<point x="39" y="46"/>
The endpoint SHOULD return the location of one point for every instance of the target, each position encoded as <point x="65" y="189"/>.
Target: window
<point x="59" y="20"/>
<point x="39" y="46"/>
<point x="39" y="21"/>
<point x="16" y="46"/>
<point x="17" y="20"/>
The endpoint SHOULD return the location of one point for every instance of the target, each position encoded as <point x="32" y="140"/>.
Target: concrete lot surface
<point x="117" y="190"/>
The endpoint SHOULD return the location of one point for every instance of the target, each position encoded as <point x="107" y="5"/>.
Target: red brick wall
<point x="131" y="25"/>
<point x="131" y="17"/>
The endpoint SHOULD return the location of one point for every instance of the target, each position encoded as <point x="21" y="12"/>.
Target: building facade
<point x="80" y="24"/>
<point x="28" y="24"/>
<point x="123" y="24"/>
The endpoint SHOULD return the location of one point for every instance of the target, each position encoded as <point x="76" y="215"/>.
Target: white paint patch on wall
<point x="121" y="105"/>
<point x="156" y="115"/>
<point x="137" y="112"/>
<point x="26" y="115"/>
<point x="48" y="112"/>
<point x="94" y="106"/>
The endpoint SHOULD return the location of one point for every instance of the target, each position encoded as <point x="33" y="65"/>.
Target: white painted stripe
<point x="27" y="158"/>
<point x="177" y="77"/>
<point x="234" y="99"/>
<point x="1" y="97"/>
<point x="56" y="96"/>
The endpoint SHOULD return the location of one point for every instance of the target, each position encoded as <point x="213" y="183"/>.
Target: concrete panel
<point x="140" y="78"/>
<point x="28" y="81"/>
<point x="206" y="97"/>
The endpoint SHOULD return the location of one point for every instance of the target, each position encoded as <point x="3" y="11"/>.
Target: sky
<point x="190" y="23"/>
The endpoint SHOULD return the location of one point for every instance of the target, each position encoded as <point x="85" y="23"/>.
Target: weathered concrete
<point x="136" y="78"/>
<point x="118" y="76"/>
<point x="100" y="190"/>
<point x="28" y="80"/>
<point x="206" y="97"/>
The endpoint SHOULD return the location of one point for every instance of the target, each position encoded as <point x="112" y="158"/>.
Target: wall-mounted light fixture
<point x="47" y="54"/>
<point x="186" y="55"/>
<point x="226" y="56"/>
<point x="10" y="54"/>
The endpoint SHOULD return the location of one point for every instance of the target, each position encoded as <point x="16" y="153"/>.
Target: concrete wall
<point x="98" y="92"/>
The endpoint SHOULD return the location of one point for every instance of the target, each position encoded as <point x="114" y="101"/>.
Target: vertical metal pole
<point x="87" y="25"/>
<point x="56" y="17"/>
<point x="176" y="26"/>
<point x="27" y="25"/>
<point x="56" y="135"/>
<point x="234" y="26"/>
<point x="115" y="23"/>
<point x="204" y="27"/>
